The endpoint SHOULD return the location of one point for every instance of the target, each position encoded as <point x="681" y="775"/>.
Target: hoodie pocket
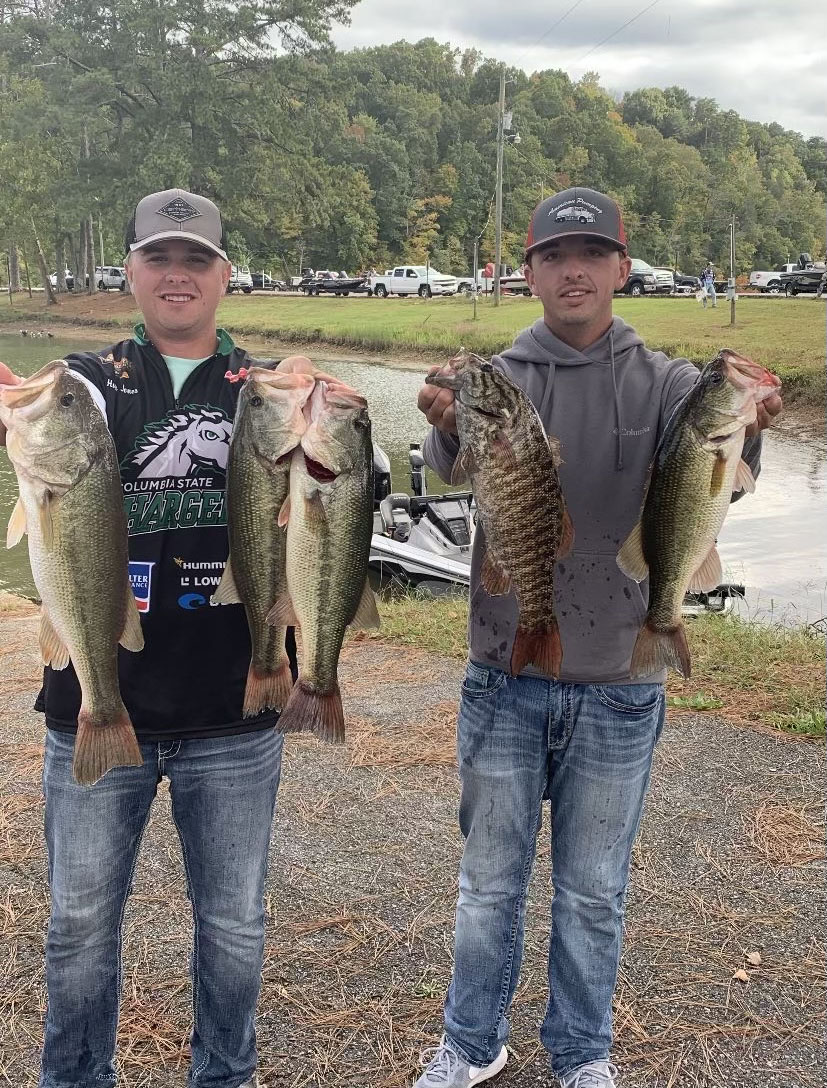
<point x="600" y="612"/>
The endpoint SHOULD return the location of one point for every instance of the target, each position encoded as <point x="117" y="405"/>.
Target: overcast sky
<point x="764" y="58"/>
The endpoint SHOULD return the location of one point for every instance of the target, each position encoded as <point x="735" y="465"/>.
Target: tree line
<point x="343" y="160"/>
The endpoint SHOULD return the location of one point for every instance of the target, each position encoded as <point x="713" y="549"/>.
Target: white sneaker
<point x="446" y="1069"/>
<point x="591" y="1075"/>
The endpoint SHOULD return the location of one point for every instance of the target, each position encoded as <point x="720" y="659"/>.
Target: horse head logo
<point x="188" y="442"/>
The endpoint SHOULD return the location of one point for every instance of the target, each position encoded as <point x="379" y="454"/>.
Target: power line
<point x="613" y="34"/>
<point x="553" y="26"/>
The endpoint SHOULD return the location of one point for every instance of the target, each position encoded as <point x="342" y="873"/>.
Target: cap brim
<point x="576" y="234"/>
<point x="182" y="235"/>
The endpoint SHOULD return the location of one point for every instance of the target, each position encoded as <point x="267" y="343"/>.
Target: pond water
<point x="772" y="541"/>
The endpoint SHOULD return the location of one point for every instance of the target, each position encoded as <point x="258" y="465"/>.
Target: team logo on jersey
<point x="188" y="442"/>
<point x="140" y="578"/>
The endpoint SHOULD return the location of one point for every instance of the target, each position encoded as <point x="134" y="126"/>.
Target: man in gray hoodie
<point x="585" y="742"/>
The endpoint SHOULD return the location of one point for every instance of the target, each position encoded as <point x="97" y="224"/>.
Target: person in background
<point x="584" y="742"/>
<point x="708" y="284"/>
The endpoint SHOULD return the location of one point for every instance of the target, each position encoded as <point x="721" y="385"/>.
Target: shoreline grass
<point x="752" y="673"/>
<point x="787" y="335"/>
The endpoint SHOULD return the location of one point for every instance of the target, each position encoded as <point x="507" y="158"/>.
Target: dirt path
<point x="362" y="883"/>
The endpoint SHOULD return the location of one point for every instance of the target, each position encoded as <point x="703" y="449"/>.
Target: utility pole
<point x="732" y="271"/>
<point x="498" y="220"/>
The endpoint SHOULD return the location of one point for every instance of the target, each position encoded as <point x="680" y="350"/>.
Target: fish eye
<point x="256" y="401"/>
<point x="716" y="377"/>
<point x="67" y="399"/>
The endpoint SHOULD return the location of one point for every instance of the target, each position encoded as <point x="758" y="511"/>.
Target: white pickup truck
<point x="412" y="279"/>
<point x="770" y="281"/>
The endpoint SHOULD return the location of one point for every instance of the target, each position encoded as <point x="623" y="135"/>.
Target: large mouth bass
<point x="268" y="425"/>
<point x="329" y="520"/>
<point x="696" y="468"/>
<point x="71" y="506"/>
<point x="512" y="465"/>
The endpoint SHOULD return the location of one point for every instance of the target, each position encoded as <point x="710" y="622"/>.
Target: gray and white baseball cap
<point x="175" y="213"/>
<point x="576" y="211"/>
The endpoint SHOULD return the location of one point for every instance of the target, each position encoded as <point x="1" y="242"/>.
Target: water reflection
<point x="772" y="541"/>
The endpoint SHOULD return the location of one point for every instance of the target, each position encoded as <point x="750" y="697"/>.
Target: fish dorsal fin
<point x="367" y="614"/>
<point x="744" y="479"/>
<point x="630" y="558"/>
<point x="708" y="575"/>
<point x="227" y="590"/>
<point x="284" y="513"/>
<point x="17" y="524"/>
<point x="52" y="647"/>
<point x="566" y="545"/>
<point x="132" y="636"/>
<point x="494" y="577"/>
<point x="463" y="466"/>
<point x="283" y="614"/>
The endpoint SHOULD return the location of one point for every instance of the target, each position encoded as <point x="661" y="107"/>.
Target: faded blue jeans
<point x="587" y="748"/>
<point x="223" y="797"/>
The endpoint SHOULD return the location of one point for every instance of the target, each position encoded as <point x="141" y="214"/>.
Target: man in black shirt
<point x="169" y="395"/>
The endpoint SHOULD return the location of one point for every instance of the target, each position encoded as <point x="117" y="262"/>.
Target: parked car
<point x="685" y="285"/>
<point x="665" y="280"/>
<point x="111" y="276"/>
<point x="642" y="280"/>
<point x="240" y="280"/>
<point x="412" y="279"/>
<point x="263" y="282"/>
<point x="70" y="279"/>
<point x="770" y="282"/>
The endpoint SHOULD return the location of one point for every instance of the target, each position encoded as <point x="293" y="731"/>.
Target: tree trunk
<point x="14" y="268"/>
<point x="51" y="298"/>
<point x="90" y="257"/>
<point x="60" y="261"/>
<point x="83" y="259"/>
<point x="73" y="260"/>
<point x="26" y="266"/>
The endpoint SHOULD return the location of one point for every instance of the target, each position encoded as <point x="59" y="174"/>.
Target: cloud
<point x="767" y="62"/>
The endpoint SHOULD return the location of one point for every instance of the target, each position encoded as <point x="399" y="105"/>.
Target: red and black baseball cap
<point x="575" y="211"/>
<point x="175" y="213"/>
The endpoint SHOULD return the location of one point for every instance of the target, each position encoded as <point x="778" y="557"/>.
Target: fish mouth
<point x="447" y="378"/>
<point x="31" y="397"/>
<point x="321" y="473"/>
<point x="747" y="376"/>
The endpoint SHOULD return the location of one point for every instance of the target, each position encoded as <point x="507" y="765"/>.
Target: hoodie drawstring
<point x="618" y="417"/>
<point x="552" y="366"/>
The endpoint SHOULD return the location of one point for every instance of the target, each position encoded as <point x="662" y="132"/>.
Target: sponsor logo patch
<point x="179" y="210"/>
<point x="140" y="579"/>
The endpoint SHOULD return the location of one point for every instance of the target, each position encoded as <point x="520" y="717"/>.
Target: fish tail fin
<point x="538" y="646"/>
<point x="315" y="712"/>
<point x="100" y="746"/>
<point x="659" y="649"/>
<point x="267" y="689"/>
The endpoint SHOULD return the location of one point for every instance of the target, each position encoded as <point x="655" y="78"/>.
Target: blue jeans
<point x="588" y="749"/>
<point x="223" y="797"/>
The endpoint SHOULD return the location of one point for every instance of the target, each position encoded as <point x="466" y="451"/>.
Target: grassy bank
<point x="752" y="673"/>
<point x="786" y="335"/>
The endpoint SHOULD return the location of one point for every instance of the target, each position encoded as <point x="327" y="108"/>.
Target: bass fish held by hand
<point x="696" y="468"/>
<point x="71" y="506"/>
<point x="512" y="465"/>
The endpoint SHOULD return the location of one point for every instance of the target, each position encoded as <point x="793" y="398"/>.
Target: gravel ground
<point x="728" y="878"/>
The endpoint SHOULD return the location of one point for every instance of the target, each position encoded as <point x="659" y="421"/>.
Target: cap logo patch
<point x="575" y="211"/>
<point x="179" y="210"/>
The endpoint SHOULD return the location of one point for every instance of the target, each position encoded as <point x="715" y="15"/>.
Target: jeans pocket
<point x="481" y="681"/>
<point x="636" y="700"/>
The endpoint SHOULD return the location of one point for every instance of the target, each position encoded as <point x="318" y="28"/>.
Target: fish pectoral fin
<point x="744" y="479"/>
<point x="554" y="450"/>
<point x="44" y="513"/>
<point x="566" y="545"/>
<point x="284" y="513"/>
<point x="495" y="578"/>
<point x="52" y="647"/>
<point x="283" y="614"/>
<point x="630" y="558"/>
<point x="503" y="450"/>
<point x="708" y="575"/>
<point x="367" y="614"/>
<point x="463" y="466"/>
<point x="314" y="509"/>
<point x="17" y="524"/>
<point x="132" y="636"/>
<point x="227" y="590"/>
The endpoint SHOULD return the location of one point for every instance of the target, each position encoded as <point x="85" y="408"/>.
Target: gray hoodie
<point x="608" y="406"/>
